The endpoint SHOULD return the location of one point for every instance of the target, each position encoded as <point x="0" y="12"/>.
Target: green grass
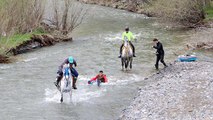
<point x="209" y="12"/>
<point x="9" y="42"/>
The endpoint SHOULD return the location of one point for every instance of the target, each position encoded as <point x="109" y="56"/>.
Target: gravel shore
<point x="183" y="91"/>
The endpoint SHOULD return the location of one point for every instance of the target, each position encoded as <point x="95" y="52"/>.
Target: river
<point x="27" y="89"/>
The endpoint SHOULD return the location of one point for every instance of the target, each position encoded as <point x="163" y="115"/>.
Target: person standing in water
<point x="159" y="53"/>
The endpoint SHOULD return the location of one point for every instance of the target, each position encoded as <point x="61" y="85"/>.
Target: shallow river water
<point x="27" y="89"/>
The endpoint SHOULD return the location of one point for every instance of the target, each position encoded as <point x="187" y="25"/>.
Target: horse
<point x="66" y="82"/>
<point x="126" y="55"/>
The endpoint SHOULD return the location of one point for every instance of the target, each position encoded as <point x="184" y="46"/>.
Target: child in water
<point x="100" y="78"/>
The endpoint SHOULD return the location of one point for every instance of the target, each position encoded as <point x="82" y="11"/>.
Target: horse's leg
<point x="122" y="63"/>
<point x="70" y="85"/>
<point x="61" y="97"/>
<point x="127" y="64"/>
<point x="131" y="63"/>
<point x="62" y="88"/>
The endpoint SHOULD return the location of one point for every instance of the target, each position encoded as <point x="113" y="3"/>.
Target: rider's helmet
<point x="126" y="28"/>
<point x="70" y="59"/>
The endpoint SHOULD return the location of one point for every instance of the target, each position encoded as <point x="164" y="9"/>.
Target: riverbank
<point x="203" y="27"/>
<point x="124" y="5"/>
<point x="4" y="59"/>
<point x="201" y="39"/>
<point x="23" y="45"/>
<point x="154" y="9"/>
<point x="181" y="91"/>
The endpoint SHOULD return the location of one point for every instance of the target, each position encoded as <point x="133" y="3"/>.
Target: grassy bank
<point x="9" y="42"/>
<point x="209" y="12"/>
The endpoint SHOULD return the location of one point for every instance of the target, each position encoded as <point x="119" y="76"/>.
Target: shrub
<point x="186" y="12"/>
<point x="20" y="16"/>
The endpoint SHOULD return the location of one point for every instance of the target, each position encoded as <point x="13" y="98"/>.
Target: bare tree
<point x="21" y="16"/>
<point x="67" y="15"/>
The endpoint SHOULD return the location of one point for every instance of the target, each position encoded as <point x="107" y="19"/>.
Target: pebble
<point x="182" y="91"/>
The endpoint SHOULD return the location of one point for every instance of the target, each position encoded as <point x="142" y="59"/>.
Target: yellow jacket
<point x="128" y="35"/>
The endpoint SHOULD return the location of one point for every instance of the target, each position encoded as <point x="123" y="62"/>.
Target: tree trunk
<point x="65" y="16"/>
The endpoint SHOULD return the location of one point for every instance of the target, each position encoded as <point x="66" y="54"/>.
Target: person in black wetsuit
<point x="159" y="53"/>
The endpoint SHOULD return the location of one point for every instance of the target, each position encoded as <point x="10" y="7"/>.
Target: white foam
<point x="124" y="81"/>
<point x="113" y="37"/>
<point x="80" y="95"/>
<point x="112" y="80"/>
<point x="30" y="59"/>
<point x="52" y="95"/>
<point x="85" y="95"/>
<point x="118" y="36"/>
<point x="86" y="92"/>
<point x="5" y="67"/>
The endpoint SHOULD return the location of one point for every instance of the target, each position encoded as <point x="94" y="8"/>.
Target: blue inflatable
<point x="187" y="58"/>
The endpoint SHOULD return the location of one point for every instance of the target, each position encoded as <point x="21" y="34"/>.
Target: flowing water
<point x="27" y="89"/>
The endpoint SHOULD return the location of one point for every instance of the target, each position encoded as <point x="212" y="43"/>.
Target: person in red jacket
<point x="100" y="78"/>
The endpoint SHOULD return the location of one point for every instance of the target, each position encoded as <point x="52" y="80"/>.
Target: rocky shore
<point x="183" y="91"/>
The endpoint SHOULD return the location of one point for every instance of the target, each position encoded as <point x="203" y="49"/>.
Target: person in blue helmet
<point x="71" y="61"/>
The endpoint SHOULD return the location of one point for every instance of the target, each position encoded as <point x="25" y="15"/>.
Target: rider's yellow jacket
<point x="128" y="35"/>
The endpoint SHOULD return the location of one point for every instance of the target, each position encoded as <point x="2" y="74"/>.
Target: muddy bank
<point x="4" y="59"/>
<point x="36" y="41"/>
<point x="201" y="39"/>
<point x="181" y="91"/>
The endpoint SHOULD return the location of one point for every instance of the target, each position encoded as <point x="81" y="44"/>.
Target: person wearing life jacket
<point x="159" y="53"/>
<point x="71" y="61"/>
<point x="100" y="78"/>
<point x="129" y="36"/>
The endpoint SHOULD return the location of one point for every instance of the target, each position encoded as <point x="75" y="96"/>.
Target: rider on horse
<point x="129" y="36"/>
<point x="74" y="73"/>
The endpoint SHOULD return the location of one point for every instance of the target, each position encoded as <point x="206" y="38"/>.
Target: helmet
<point x="70" y="59"/>
<point x="126" y="28"/>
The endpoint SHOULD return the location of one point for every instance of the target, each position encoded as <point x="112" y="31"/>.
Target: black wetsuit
<point x="159" y="54"/>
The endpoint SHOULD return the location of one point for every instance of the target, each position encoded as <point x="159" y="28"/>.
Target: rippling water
<point x="27" y="90"/>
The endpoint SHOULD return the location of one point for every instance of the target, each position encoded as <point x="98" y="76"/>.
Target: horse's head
<point x="127" y="50"/>
<point x="66" y="71"/>
<point x="126" y="42"/>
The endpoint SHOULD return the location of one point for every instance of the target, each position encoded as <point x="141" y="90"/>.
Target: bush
<point x="186" y="12"/>
<point x="20" y="16"/>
